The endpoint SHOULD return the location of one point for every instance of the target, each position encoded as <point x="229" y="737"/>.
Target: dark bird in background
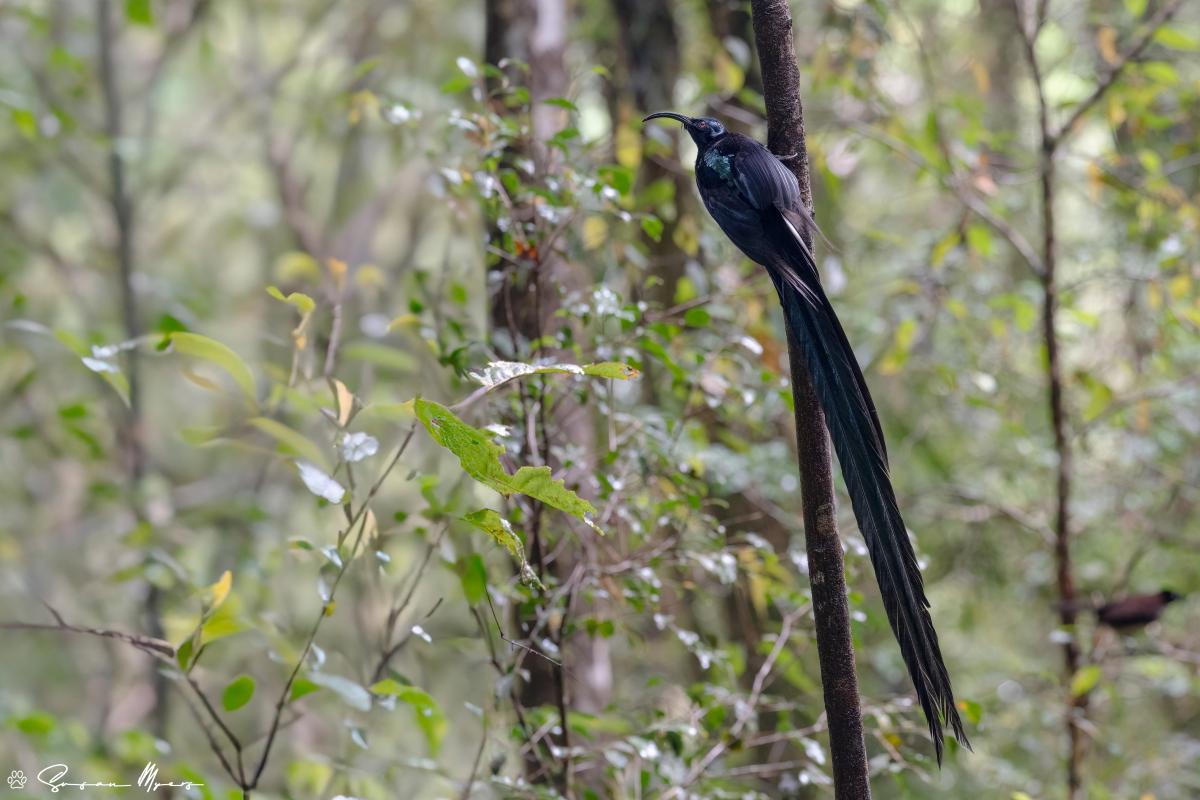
<point x="756" y="201"/>
<point x="1136" y="610"/>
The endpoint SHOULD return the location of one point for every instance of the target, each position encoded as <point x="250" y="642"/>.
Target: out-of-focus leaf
<point x="237" y="693"/>
<point x="291" y="442"/>
<point x="1085" y="679"/>
<point x="357" y="446"/>
<point x="303" y="303"/>
<point x="351" y="693"/>
<point x="971" y="710"/>
<point x="473" y="574"/>
<point x="219" y="591"/>
<point x="300" y="688"/>
<point x="430" y="718"/>
<point x="319" y="483"/>
<point x="222" y="622"/>
<point x="214" y="352"/>
<point x="653" y="227"/>
<point x="345" y="402"/>
<point x="1176" y="39"/>
<point x="140" y="12"/>
<point x="979" y="239"/>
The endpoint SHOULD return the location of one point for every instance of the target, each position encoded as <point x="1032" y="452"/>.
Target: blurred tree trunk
<point x="650" y="60"/>
<point x="528" y="296"/>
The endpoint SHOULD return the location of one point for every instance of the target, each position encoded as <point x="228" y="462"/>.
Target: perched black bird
<point x="756" y="201"/>
<point x="1136" y="610"/>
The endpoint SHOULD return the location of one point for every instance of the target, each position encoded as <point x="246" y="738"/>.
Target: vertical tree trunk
<point x="525" y="306"/>
<point x="839" y="678"/>
<point x="651" y="59"/>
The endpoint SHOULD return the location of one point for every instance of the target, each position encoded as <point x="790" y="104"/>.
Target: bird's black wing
<point x="768" y="186"/>
<point x="771" y="188"/>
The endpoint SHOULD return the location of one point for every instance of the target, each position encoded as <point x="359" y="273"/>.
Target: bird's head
<point x="703" y="130"/>
<point x="1169" y="596"/>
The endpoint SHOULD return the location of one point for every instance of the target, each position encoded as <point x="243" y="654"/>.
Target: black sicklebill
<point x="756" y="201"/>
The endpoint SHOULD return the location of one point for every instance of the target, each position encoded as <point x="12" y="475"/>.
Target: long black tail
<point x="858" y="441"/>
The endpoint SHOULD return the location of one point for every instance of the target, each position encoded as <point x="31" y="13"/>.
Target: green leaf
<point x="502" y="533"/>
<point x="300" y="688"/>
<point x="37" y="724"/>
<point x="653" y="226"/>
<point x="214" y="352"/>
<point x="979" y="239"/>
<point x="291" y="443"/>
<point x="611" y="369"/>
<point x="430" y="718"/>
<point x="1085" y="679"/>
<point x="225" y="621"/>
<point x="561" y="102"/>
<point x="25" y="121"/>
<point x="697" y="318"/>
<point x="238" y="693"/>
<point x="498" y="528"/>
<point x="303" y="303"/>
<point x="183" y="654"/>
<point x="971" y="710"/>
<point x="473" y="574"/>
<point x="1176" y="39"/>
<point x="1160" y="72"/>
<point x="536" y="482"/>
<point x="618" y="177"/>
<point x="479" y="457"/>
<point x="139" y="12"/>
<point x="457" y="84"/>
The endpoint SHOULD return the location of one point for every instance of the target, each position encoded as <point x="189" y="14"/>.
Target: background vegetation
<point x="239" y="238"/>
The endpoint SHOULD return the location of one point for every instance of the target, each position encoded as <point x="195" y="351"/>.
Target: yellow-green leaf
<point x="1085" y="680"/>
<point x="214" y="352"/>
<point x="291" y="442"/>
<point x="303" y="303"/>
<point x="430" y="718"/>
<point x="503" y="534"/>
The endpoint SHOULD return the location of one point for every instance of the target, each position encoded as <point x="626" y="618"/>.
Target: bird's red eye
<point x="702" y="125"/>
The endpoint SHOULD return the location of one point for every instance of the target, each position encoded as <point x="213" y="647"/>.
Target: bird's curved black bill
<point x="668" y="115"/>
